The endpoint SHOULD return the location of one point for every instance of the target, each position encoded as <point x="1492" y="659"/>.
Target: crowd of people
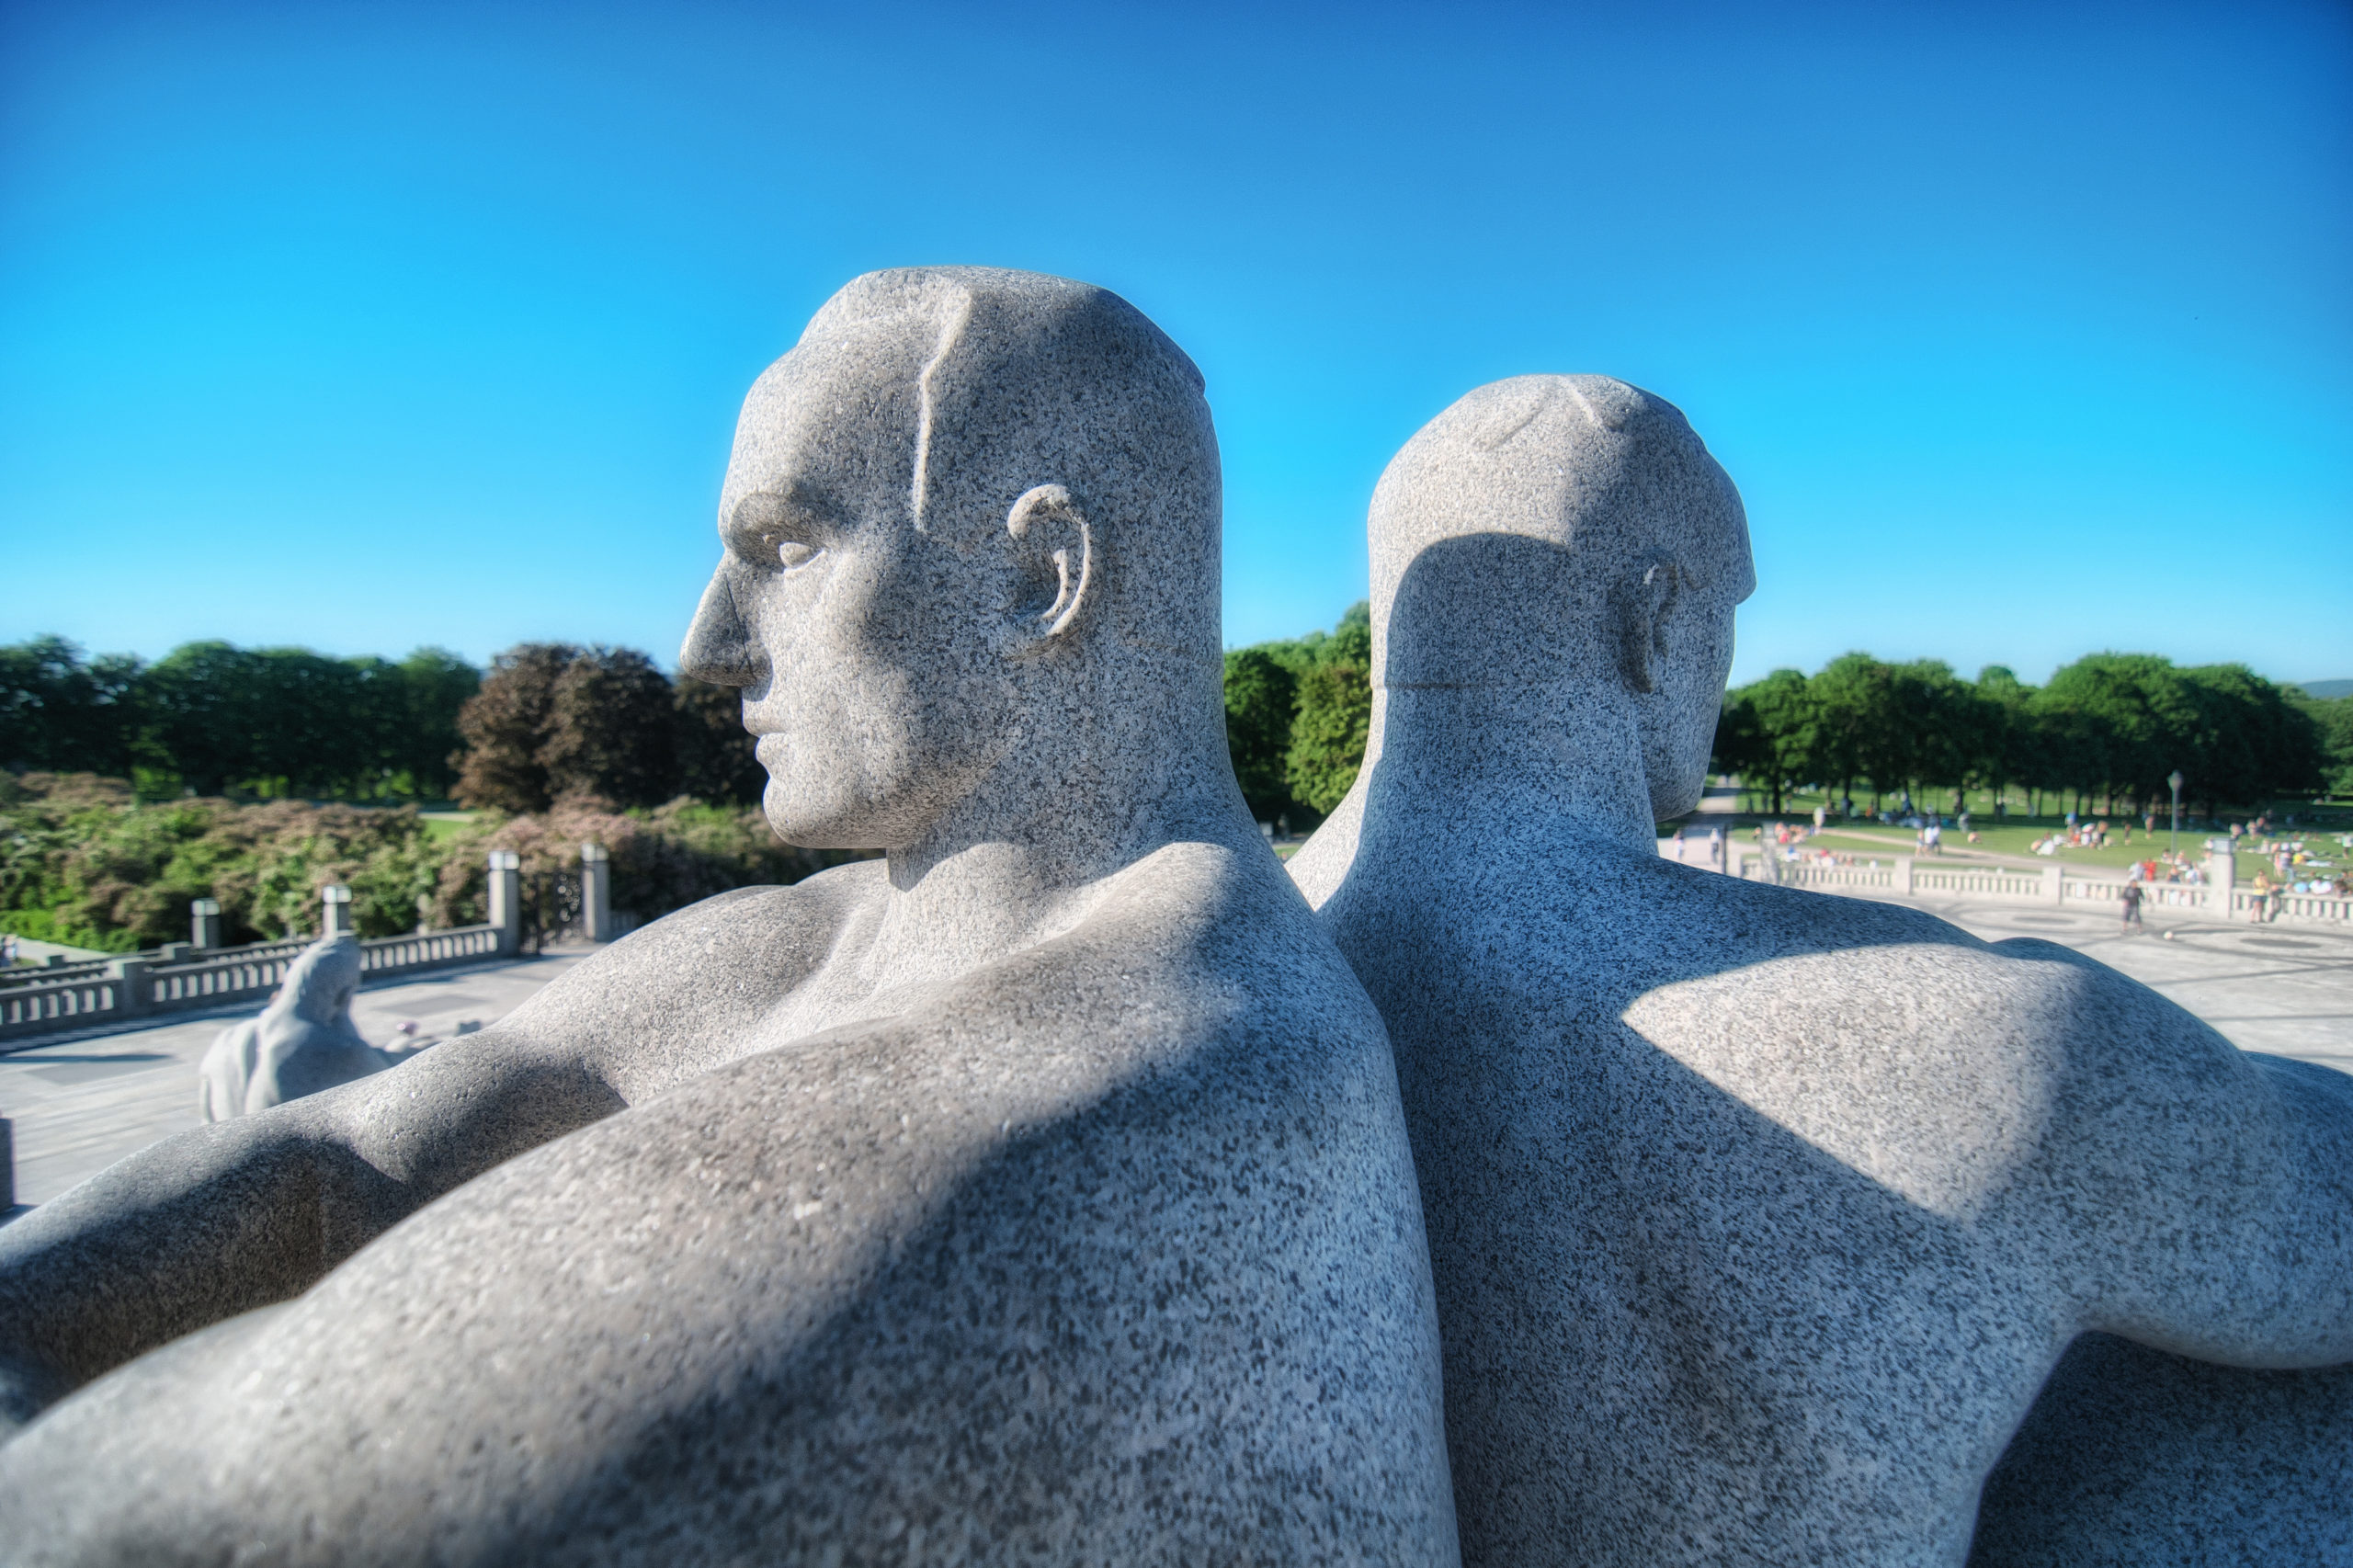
<point x="2290" y="864"/>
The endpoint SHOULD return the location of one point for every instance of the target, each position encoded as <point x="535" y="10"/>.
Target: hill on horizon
<point x="2327" y="690"/>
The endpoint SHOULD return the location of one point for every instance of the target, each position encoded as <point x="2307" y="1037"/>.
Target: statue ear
<point x="1053" y="553"/>
<point x="1640" y="608"/>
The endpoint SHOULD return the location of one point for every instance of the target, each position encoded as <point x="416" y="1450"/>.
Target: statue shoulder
<point x="1226" y="930"/>
<point x="664" y="991"/>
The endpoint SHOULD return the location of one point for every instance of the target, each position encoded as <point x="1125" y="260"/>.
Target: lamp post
<point x="2173" y="840"/>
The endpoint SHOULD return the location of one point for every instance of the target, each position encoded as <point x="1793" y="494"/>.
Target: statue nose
<point x="719" y="647"/>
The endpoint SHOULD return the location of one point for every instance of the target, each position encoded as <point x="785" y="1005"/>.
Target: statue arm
<point x="2245" y="1254"/>
<point x="237" y="1215"/>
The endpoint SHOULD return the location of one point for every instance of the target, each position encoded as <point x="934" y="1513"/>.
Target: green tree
<point x="2245" y="741"/>
<point x="1771" y="734"/>
<point x="1333" y="718"/>
<point x="2332" y="720"/>
<point x="314" y="728"/>
<point x="61" y="711"/>
<point x="1261" y="700"/>
<point x="2007" y="703"/>
<point x="1859" y="729"/>
<point x="202" y="704"/>
<point x="434" y="685"/>
<point x="717" y="759"/>
<point x="1948" y="736"/>
<point x="1738" y="747"/>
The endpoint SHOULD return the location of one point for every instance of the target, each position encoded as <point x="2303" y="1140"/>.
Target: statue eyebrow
<point x="786" y="513"/>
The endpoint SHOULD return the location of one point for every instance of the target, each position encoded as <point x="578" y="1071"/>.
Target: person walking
<point x="2131" y="900"/>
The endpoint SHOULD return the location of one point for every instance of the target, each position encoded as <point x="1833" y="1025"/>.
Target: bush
<point x="82" y="862"/>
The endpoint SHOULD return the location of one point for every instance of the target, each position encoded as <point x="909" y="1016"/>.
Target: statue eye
<point x="783" y="529"/>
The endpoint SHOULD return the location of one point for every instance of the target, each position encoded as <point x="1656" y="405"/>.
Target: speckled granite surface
<point x="1758" y="1218"/>
<point x="1041" y="1193"/>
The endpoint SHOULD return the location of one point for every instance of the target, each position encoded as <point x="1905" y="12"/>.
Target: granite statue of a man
<point x="1039" y="1193"/>
<point x="1758" y="1217"/>
<point x="305" y="1041"/>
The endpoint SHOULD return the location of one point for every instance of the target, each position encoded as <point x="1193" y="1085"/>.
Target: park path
<point x="82" y="1104"/>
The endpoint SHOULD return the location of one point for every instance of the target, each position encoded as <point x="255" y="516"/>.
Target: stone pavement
<point x="82" y="1104"/>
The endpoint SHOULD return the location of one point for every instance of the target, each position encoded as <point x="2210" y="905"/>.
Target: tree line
<point x="546" y="722"/>
<point x="2109" y="730"/>
<point x="550" y="722"/>
<point x="83" y="862"/>
<point x="212" y="718"/>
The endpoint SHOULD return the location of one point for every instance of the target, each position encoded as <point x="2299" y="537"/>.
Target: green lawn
<point x="2014" y="837"/>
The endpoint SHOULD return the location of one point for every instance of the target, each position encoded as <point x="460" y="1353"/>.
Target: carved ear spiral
<point x="1057" y="557"/>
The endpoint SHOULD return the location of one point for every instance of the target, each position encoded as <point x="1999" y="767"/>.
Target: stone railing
<point x="37" y="1001"/>
<point x="46" y="1002"/>
<point x="2298" y="908"/>
<point x="1904" y="876"/>
<point x="198" y="974"/>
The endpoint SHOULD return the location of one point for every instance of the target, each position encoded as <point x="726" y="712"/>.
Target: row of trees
<point x="209" y="718"/>
<point x="1297" y="716"/>
<point x="2110" y="727"/>
<point x="555" y="721"/>
<point x="549" y="721"/>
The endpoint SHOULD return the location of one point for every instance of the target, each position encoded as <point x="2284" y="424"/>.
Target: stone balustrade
<point x="185" y="975"/>
<point x="1906" y="876"/>
<point x="43" y="1003"/>
<point x="43" y="1000"/>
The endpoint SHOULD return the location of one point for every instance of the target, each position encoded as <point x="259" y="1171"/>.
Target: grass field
<point x="2013" y="837"/>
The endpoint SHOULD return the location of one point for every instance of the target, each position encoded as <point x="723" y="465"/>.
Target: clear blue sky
<point x="2026" y="330"/>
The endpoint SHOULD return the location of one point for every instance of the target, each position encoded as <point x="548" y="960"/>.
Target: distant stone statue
<point x="1758" y="1217"/>
<point x="303" y="1041"/>
<point x="1038" y="1194"/>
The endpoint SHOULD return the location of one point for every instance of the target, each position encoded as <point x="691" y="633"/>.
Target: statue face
<point x="862" y="645"/>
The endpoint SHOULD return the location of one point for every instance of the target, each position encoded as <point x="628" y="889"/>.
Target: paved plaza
<point x="80" y="1105"/>
<point x="85" y="1103"/>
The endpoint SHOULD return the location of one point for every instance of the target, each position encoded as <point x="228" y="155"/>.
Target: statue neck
<point x="1517" y="758"/>
<point x="1014" y="860"/>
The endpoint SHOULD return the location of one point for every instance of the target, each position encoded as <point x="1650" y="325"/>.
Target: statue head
<point x="320" y="983"/>
<point x="1569" y="532"/>
<point x="970" y="520"/>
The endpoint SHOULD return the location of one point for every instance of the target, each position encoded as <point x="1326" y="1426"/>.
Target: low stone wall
<point x="193" y="974"/>
<point x="42" y="1001"/>
<point x="1904" y="876"/>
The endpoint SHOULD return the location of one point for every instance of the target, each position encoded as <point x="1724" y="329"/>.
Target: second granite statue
<point x="1758" y="1217"/>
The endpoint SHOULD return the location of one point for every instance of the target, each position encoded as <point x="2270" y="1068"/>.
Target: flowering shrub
<point x="82" y="862"/>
